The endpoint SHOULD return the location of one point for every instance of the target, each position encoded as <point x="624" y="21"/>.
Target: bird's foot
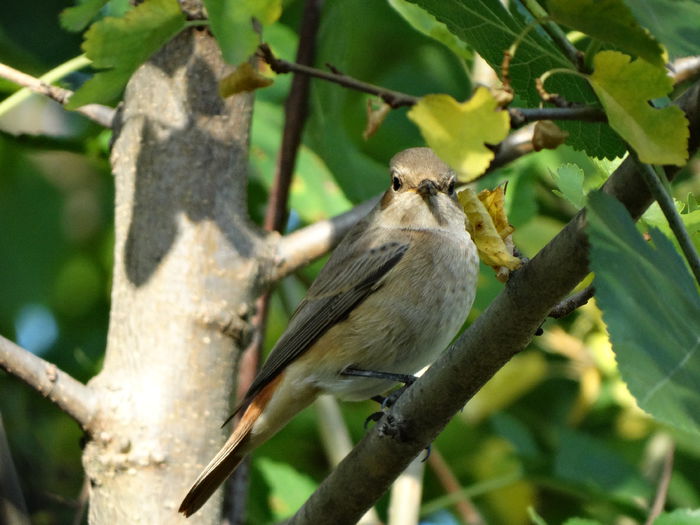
<point x="386" y="402"/>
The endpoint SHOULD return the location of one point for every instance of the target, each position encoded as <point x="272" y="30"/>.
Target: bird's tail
<point x="230" y="455"/>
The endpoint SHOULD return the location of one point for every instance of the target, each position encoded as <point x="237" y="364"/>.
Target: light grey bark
<point x="186" y="274"/>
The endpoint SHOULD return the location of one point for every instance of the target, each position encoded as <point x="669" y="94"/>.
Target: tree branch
<point x="302" y="246"/>
<point x="425" y="408"/>
<point x="103" y="115"/>
<point x="572" y="302"/>
<point x="394" y="98"/>
<point x="71" y="396"/>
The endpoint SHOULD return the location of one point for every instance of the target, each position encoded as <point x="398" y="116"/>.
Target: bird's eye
<point x="451" y="187"/>
<point x="395" y="183"/>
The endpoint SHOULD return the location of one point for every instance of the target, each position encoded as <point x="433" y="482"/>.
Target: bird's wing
<point x="343" y="283"/>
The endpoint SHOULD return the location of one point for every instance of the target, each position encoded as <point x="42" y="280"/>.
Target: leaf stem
<point x="103" y="115"/>
<point x="556" y="33"/>
<point x="655" y="184"/>
<point x="56" y="74"/>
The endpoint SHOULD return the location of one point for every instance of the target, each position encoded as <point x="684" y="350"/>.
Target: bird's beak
<point x="427" y="187"/>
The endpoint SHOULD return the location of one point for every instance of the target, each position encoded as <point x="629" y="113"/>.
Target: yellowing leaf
<point x="493" y="247"/>
<point x="495" y="202"/>
<point x="244" y="78"/>
<point x="458" y="132"/>
<point x="659" y="136"/>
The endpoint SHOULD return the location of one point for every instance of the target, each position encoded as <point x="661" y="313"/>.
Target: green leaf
<point x="673" y="22"/>
<point x="581" y="521"/>
<point x="232" y="25"/>
<point x="569" y="179"/>
<point x="489" y="29"/>
<point x="448" y="127"/>
<point x="659" y="136"/>
<point x="289" y="489"/>
<point x="679" y="517"/>
<point x="77" y="18"/>
<point x="654" y="217"/>
<point x="120" y="45"/>
<point x="314" y="195"/>
<point x="651" y="306"/>
<point x="423" y="22"/>
<point x="600" y="468"/>
<point x="536" y="518"/>
<point x="610" y="21"/>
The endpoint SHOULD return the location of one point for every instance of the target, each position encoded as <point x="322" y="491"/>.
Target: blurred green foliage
<point x="555" y="430"/>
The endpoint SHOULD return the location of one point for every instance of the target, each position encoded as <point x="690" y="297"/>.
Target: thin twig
<point x="103" y="115"/>
<point x="464" y="507"/>
<point x="662" y="488"/>
<point x="394" y="98"/>
<point x="572" y="302"/>
<point x="82" y="502"/>
<point x="295" y="113"/>
<point x="556" y="34"/>
<point x="71" y="396"/>
<point x="656" y="187"/>
<point x="520" y="116"/>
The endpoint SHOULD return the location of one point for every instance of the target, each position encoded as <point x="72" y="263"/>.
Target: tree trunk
<point x="186" y="268"/>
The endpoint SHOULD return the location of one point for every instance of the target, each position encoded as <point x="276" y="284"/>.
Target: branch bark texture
<point x="184" y="284"/>
<point x="73" y="397"/>
<point x="503" y="330"/>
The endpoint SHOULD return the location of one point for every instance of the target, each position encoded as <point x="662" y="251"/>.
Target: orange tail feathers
<point x="230" y="455"/>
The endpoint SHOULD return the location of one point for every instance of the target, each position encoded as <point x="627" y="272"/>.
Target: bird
<point x="391" y="297"/>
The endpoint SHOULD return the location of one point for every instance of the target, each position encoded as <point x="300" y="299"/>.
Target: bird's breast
<point x="413" y="314"/>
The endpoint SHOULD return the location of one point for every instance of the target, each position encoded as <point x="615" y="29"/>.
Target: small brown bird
<point x="391" y="297"/>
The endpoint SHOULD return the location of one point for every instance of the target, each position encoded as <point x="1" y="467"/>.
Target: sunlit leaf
<point x="569" y="179"/>
<point x="232" y="25"/>
<point x="243" y="78"/>
<point x="289" y="489"/>
<point x="120" y="45"/>
<point x="610" y="21"/>
<point x="651" y="307"/>
<point x="78" y="17"/>
<point x="659" y="136"/>
<point x="691" y="220"/>
<point x="679" y="517"/>
<point x="459" y="132"/>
